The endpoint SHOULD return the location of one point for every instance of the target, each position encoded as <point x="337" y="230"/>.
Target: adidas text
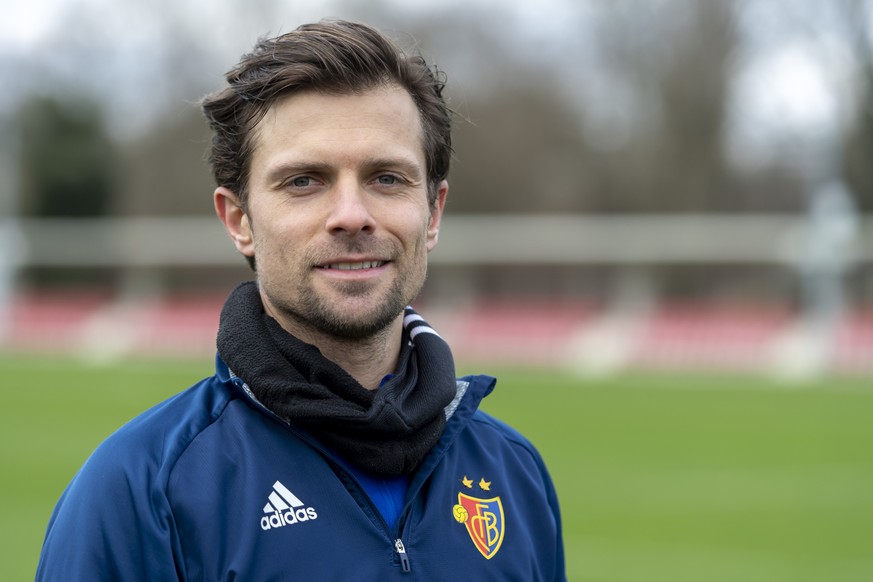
<point x="290" y="517"/>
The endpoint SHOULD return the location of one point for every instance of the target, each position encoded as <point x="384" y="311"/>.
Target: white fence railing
<point x="464" y="240"/>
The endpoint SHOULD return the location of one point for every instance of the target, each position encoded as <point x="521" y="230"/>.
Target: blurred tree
<point x="67" y="162"/>
<point x="520" y="151"/>
<point x="858" y="138"/>
<point x="165" y="169"/>
<point x="674" y="60"/>
<point x="859" y="152"/>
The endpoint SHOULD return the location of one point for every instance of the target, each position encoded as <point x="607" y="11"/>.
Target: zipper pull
<point x="401" y="551"/>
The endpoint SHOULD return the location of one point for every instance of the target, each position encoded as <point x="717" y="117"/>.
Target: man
<point x="334" y="442"/>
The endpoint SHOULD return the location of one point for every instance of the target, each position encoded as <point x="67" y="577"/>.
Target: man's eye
<point x="301" y="182"/>
<point x="388" y="179"/>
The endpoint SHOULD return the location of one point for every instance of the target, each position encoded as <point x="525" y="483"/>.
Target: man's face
<point x="338" y="217"/>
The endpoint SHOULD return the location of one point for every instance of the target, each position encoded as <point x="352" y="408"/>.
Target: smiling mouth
<point x="358" y="266"/>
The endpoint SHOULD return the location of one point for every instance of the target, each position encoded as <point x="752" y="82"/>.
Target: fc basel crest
<point x="483" y="519"/>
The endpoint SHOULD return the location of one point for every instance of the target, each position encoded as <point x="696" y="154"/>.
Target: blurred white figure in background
<point x="826" y="253"/>
<point x="832" y="230"/>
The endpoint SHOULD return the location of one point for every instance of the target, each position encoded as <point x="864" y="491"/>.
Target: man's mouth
<point x="357" y="266"/>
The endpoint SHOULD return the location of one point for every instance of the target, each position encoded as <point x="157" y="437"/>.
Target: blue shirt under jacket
<point x="209" y="485"/>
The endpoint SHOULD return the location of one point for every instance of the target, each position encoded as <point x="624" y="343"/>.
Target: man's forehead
<point x="352" y="102"/>
<point x="387" y="107"/>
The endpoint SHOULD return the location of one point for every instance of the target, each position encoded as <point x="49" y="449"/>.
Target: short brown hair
<point x="334" y="57"/>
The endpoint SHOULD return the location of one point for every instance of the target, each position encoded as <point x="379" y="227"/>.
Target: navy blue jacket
<point x="209" y="485"/>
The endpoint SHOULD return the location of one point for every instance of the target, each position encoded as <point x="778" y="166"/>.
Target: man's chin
<point x="356" y="328"/>
<point x="353" y="317"/>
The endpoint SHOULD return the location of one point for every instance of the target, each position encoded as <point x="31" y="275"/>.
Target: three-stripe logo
<point x="284" y="508"/>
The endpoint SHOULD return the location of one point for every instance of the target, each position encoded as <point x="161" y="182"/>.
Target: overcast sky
<point x="790" y="86"/>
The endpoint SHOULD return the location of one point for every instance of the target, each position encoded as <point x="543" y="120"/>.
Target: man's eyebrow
<point x="407" y="165"/>
<point x="285" y="169"/>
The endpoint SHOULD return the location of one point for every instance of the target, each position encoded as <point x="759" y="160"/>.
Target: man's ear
<point x="436" y="214"/>
<point x="235" y="220"/>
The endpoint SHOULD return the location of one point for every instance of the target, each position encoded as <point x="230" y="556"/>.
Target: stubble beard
<point x="317" y="314"/>
<point x="314" y="312"/>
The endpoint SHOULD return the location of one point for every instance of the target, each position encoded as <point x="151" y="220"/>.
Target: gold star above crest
<point x="468" y="483"/>
<point x="485" y="485"/>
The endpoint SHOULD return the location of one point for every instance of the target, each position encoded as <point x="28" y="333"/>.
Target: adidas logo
<point x="284" y="508"/>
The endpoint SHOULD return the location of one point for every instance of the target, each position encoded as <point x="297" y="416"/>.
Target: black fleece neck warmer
<point x="387" y="431"/>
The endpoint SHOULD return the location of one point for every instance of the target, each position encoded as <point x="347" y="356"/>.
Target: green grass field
<point x="661" y="478"/>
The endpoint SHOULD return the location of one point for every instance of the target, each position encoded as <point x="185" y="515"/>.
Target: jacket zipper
<point x="401" y="551"/>
<point x="399" y="547"/>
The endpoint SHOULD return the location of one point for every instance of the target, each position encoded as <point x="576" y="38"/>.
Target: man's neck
<point x="367" y="360"/>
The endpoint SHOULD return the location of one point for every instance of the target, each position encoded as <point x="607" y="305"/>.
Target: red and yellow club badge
<point x="483" y="518"/>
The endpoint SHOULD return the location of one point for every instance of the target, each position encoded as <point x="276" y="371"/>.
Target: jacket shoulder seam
<point x="507" y="432"/>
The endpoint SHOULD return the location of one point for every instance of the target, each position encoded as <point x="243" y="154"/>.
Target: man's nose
<point x="349" y="213"/>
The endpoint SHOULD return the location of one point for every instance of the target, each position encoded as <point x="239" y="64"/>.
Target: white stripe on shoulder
<point x="412" y="317"/>
<point x="461" y="389"/>
<point x="422" y="329"/>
